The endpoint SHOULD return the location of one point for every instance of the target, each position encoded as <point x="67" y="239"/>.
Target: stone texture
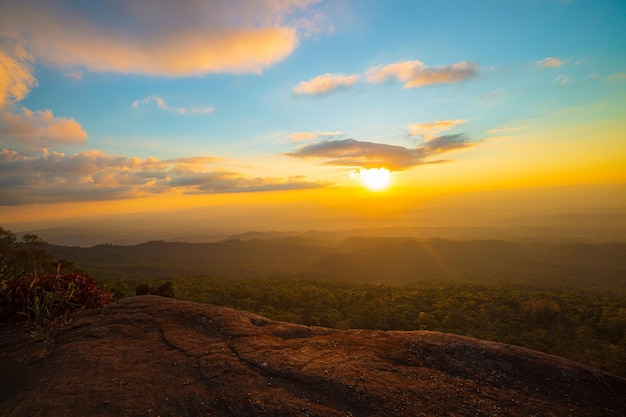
<point x="152" y="356"/>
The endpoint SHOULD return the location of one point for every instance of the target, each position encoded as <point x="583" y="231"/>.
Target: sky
<point x="284" y="110"/>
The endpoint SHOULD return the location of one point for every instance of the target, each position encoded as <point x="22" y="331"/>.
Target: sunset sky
<point x="264" y="106"/>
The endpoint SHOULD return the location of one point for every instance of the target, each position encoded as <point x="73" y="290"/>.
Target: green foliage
<point x="34" y="288"/>
<point x="43" y="298"/>
<point x="586" y="326"/>
<point x="361" y="259"/>
<point x="27" y="257"/>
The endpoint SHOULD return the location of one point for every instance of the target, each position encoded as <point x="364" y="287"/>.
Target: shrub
<point x="48" y="297"/>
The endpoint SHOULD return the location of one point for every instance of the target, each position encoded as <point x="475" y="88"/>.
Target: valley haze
<point x="591" y="213"/>
<point x="196" y="120"/>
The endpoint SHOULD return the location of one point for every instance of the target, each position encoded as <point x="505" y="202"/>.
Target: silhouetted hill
<point x="361" y="259"/>
<point x="147" y="355"/>
<point x="404" y="261"/>
<point x="232" y="258"/>
<point x="401" y="261"/>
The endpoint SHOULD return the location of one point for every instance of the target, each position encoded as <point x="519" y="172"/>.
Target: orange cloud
<point x="431" y="130"/>
<point x="412" y="73"/>
<point x="20" y="127"/>
<point x="304" y="136"/>
<point x="196" y="37"/>
<point x="551" y="62"/>
<point x="16" y="78"/>
<point x="36" y="129"/>
<point x="325" y="83"/>
<point x="416" y="74"/>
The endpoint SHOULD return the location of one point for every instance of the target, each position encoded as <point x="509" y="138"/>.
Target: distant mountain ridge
<point x="360" y="259"/>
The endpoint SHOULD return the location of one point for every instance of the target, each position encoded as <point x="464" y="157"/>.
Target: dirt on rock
<point x="153" y="356"/>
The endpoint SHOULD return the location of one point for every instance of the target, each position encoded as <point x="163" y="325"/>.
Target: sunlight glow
<point x="376" y="179"/>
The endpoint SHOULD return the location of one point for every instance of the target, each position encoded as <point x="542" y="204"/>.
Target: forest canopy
<point x="564" y="299"/>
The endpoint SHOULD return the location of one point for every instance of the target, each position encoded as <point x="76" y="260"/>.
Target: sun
<point x="376" y="179"/>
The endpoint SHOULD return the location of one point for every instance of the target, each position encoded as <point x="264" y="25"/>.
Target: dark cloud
<point x="93" y="175"/>
<point x="350" y="152"/>
<point x="447" y="143"/>
<point x="353" y="153"/>
<point x="245" y="185"/>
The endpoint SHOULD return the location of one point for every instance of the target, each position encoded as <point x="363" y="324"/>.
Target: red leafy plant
<point x="46" y="298"/>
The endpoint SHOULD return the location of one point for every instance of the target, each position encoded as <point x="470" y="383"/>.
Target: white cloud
<point x="161" y="104"/>
<point x="562" y="79"/>
<point x="617" y="76"/>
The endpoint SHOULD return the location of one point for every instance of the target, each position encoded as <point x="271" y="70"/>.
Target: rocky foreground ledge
<point x="152" y="356"/>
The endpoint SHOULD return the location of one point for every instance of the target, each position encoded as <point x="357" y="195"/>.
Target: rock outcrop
<point x="152" y="356"/>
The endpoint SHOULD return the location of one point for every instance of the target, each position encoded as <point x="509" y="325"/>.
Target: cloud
<point x="353" y="153"/>
<point x="551" y="62"/>
<point x="325" y="83"/>
<point x="157" y="37"/>
<point x="20" y="127"/>
<point x="94" y="175"/>
<point x="617" y="76"/>
<point x="312" y="24"/>
<point x="415" y="74"/>
<point x="228" y="183"/>
<point x="162" y="105"/>
<point x="412" y="73"/>
<point x="447" y="143"/>
<point x="562" y="79"/>
<point x="431" y="130"/>
<point x="306" y="136"/>
<point x="16" y="78"/>
<point x="28" y="129"/>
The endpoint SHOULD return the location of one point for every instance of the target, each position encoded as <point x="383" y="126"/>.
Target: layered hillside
<point x="360" y="259"/>
<point x="151" y="356"/>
